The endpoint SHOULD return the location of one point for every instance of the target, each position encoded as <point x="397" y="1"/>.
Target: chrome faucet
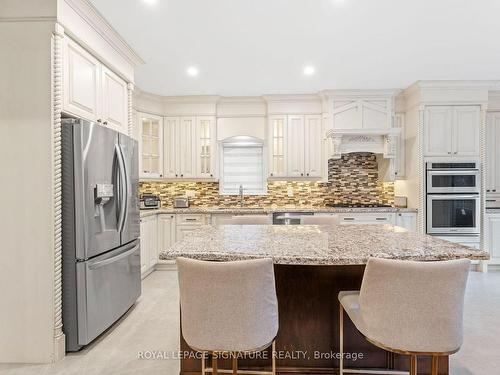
<point x="241" y="195"/>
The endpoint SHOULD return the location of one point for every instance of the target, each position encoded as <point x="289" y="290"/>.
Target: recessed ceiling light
<point x="309" y="70"/>
<point x="192" y="71"/>
<point x="151" y="2"/>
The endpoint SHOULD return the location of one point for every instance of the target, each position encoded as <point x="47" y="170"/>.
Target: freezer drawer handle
<point x="105" y="262"/>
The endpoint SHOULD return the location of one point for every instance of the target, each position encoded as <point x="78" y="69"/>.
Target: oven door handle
<point x="453" y="196"/>
<point x="455" y="172"/>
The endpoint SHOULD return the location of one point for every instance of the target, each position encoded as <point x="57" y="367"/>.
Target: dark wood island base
<point x="308" y="337"/>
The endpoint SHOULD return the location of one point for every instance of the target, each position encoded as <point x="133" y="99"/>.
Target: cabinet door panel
<point x="81" y="82"/>
<point x="295" y="146"/>
<point x="277" y="136"/>
<point x="166" y="234"/>
<point x="170" y="146"/>
<point x="438" y="131"/>
<point x="496" y="155"/>
<point x="313" y="146"/>
<point x="114" y="101"/>
<point x="187" y="147"/>
<point x="205" y="147"/>
<point x="466" y="130"/>
<point x="151" y="146"/>
<point x="493" y="235"/>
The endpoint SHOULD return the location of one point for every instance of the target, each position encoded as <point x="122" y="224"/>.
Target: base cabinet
<point x="407" y="220"/>
<point x="492" y="236"/>
<point x="166" y="232"/>
<point x="149" y="243"/>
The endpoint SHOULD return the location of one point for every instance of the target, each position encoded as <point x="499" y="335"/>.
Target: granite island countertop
<point x="315" y="245"/>
<point x="270" y="210"/>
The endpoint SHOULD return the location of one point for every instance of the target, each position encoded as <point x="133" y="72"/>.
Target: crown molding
<point x="291" y="97"/>
<point x="92" y="16"/>
<point x="360" y="93"/>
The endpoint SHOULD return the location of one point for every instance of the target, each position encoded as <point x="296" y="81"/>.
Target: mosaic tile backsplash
<point x="351" y="179"/>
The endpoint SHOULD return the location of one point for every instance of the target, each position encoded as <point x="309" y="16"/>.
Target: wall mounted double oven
<point x="100" y="228"/>
<point x="453" y="198"/>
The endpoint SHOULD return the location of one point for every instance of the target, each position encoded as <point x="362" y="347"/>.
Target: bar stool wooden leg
<point x="235" y="366"/>
<point x="203" y="359"/>
<point x="341" y="335"/>
<point x="214" y="364"/>
<point x="435" y="364"/>
<point x="273" y="358"/>
<point x="413" y="365"/>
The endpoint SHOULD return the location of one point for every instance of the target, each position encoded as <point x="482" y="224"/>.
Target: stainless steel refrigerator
<point x="100" y="231"/>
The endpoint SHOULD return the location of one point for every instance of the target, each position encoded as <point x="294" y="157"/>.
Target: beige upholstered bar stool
<point x="412" y="308"/>
<point x="245" y="220"/>
<point x="320" y="220"/>
<point x="228" y="307"/>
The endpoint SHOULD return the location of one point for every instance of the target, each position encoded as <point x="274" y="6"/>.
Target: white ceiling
<point x="255" y="47"/>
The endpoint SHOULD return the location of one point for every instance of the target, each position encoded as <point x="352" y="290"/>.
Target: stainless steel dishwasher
<point x="289" y="218"/>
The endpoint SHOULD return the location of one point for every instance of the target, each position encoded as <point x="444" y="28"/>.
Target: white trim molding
<point x="57" y="103"/>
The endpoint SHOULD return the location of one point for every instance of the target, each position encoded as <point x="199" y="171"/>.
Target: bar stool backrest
<point x="228" y="306"/>
<point x="414" y="306"/>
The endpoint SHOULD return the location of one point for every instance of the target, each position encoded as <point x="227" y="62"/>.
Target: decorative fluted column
<point x="421" y="172"/>
<point x="130" y="90"/>
<point x="57" y="71"/>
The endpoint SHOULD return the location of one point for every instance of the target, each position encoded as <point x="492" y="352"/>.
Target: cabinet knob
<point x="488" y="190"/>
<point x="99" y="120"/>
<point x="211" y="175"/>
<point x="302" y="174"/>
<point x="271" y="175"/>
<point x="449" y="152"/>
<point x="176" y="175"/>
<point x="161" y="175"/>
<point x="308" y="174"/>
<point x="494" y="190"/>
<point x="456" y="152"/>
<point x="182" y="175"/>
<point x="105" y="123"/>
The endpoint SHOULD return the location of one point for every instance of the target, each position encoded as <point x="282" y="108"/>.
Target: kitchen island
<point x="312" y="264"/>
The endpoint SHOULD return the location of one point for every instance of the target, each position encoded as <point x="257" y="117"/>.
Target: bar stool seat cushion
<point x="228" y="306"/>
<point x="410" y="306"/>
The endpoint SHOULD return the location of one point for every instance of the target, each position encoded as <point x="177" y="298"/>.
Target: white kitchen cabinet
<point x="170" y="146"/>
<point x="451" y="131"/>
<point x="151" y="146"/>
<point x="277" y="146"/>
<point x="205" y="147"/>
<point x="295" y="146"/>
<point x="114" y="111"/>
<point x="189" y="147"/>
<point x="362" y="113"/>
<point x="81" y="81"/>
<point x="367" y="218"/>
<point x="400" y="160"/>
<point x="407" y="220"/>
<point x="166" y="231"/>
<point x="493" y="154"/>
<point x="313" y="145"/>
<point x="187" y="223"/>
<point x="149" y="243"/>
<point x="438" y="131"/>
<point x="492" y="235"/>
<point x="91" y="90"/>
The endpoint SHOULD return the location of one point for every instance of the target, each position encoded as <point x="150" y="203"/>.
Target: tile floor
<point x="152" y="324"/>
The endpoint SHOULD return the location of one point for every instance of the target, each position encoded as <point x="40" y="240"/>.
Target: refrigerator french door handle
<point x="127" y="186"/>
<point x="104" y="262"/>
<point x="122" y="185"/>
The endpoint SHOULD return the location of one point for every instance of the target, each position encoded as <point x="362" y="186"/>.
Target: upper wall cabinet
<point x="189" y="147"/>
<point x="451" y="131"/>
<point x="493" y="153"/>
<point x="295" y="146"/>
<point x="362" y="113"/>
<point x="151" y="146"/>
<point x="91" y="90"/>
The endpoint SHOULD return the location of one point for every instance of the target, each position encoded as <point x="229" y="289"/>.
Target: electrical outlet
<point x="289" y="192"/>
<point x="190" y="193"/>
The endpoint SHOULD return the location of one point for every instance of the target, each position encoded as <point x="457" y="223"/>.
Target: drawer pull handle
<point x="348" y="218"/>
<point x="190" y="219"/>
<point x="381" y="218"/>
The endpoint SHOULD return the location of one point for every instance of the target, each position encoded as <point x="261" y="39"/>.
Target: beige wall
<point x="26" y="217"/>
